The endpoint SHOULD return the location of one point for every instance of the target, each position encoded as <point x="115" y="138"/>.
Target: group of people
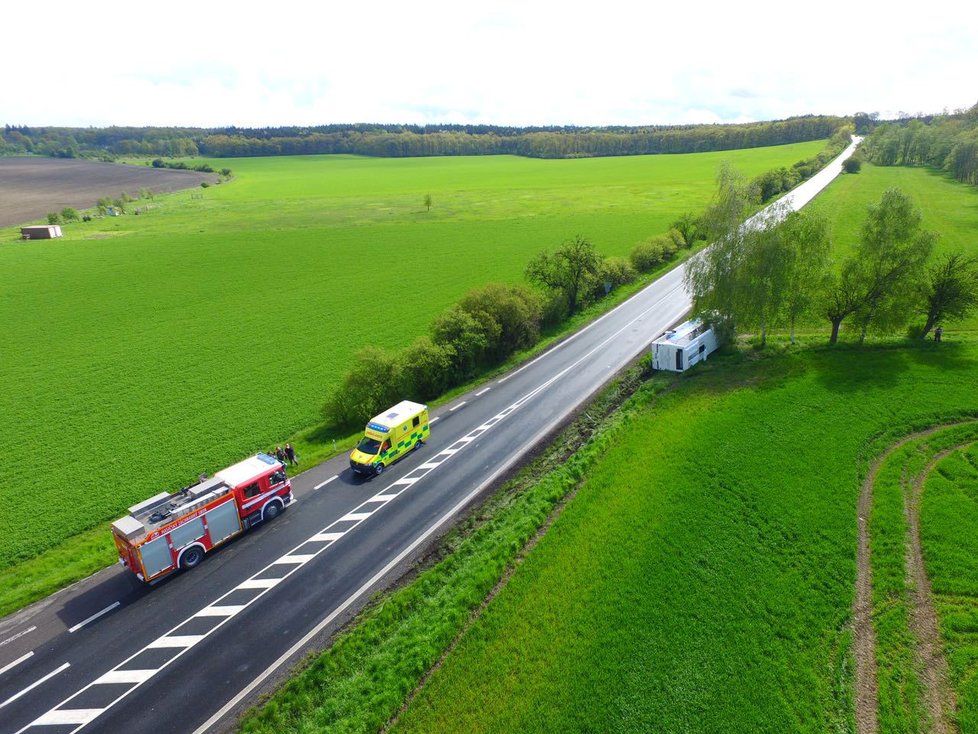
<point x="286" y="455"/>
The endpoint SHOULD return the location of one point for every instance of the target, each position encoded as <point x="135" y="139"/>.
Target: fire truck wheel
<point x="378" y="469"/>
<point x="192" y="557"/>
<point x="272" y="510"/>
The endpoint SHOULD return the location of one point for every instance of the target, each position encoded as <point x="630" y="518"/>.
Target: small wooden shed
<point x="41" y="232"/>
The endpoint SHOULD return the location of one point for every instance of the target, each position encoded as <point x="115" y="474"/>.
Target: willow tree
<point x="714" y="278"/>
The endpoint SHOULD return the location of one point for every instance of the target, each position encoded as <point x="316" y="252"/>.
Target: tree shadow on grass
<point x="948" y="355"/>
<point x="847" y="368"/>
<point x="734" y="369"/>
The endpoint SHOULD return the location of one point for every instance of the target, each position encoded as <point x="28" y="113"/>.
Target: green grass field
<point x="947" y="525"/>
<point x="949" y="530"/>
<point x="702" y="578"/>
<point x="141" y="350"/>
<point x="948" y="208"/>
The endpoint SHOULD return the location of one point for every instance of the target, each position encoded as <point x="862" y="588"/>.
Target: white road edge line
<point x="94" y="617"/>
<point x="404" y="553"/>
<point x="434" y="419"/>
<point x="483" y="392"/>
<point x="349" y="601"/>
<point x="456" y="407"/>
<point x="18" y="635"/>
<point x="18" y="661"/>
<point x="323" y="484"/>
<point x="34" y="685"/>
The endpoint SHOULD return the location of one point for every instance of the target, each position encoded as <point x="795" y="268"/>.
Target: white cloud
<point x="515" y="63"/>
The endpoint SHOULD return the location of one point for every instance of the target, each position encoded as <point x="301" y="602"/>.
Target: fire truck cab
<point x="168" y="532"/>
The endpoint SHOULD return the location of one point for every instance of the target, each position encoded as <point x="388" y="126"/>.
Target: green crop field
<point x="948" y="209"/>
<point x="949" y="529"/>
<point x="940" y="464"/>
<point x="703" y="576"/>
<point x="141" y="350"/>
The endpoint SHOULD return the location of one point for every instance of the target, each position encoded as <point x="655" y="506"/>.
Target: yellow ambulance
<point x="389" y="436"/>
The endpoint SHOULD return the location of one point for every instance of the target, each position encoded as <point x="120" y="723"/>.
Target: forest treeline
<point x="392" y="141"/>
<point x="948" y="142"/>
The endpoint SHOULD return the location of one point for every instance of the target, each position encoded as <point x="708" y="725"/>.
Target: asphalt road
<point x="189" y="654"/>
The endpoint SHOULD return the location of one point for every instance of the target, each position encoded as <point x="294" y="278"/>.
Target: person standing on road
<point x="290" y="453"/>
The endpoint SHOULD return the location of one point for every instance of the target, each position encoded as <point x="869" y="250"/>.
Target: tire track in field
<point x="937" y="694"/>
<point x="864" y="637"/>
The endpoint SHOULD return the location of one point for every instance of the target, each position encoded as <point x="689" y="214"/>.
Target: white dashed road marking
<point x="94" y="617"/>
<point x="34" y="685"/>
<point x="16" y="662"/>
<point x="18" y="635"/>
<point x="323" y="484"/>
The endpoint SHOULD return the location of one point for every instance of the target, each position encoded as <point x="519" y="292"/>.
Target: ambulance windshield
<point x="368" y="445"/>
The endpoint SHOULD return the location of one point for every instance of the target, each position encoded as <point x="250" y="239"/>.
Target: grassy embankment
<point x="702" y="577"/>
<point x="145" y="349"/>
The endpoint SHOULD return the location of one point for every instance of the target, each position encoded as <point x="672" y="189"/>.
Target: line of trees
<point x="412" y="140"/>
<point x="491" y="323"/>
<point x="777" y="272"/>
<point x="948" y="142"/>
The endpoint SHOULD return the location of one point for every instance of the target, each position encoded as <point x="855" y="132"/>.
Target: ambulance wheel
<point x="192" y="557"/>
<point x="418" y="445"/>
<point x="271" y="511"/>
<point x="378" y="469"/>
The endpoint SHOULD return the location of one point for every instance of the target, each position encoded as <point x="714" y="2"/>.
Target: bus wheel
<point x="379" y="469"/>
<point x="272" y="510"/>
<point x="192" y="557"/>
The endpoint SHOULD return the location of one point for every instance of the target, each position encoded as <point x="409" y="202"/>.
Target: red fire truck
<point x="172" y="531"/>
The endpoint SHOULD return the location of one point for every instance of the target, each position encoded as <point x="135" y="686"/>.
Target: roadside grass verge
<point x="700" y="579"/>
<point x="362" y="679"/>
<point x="949" y="534"/>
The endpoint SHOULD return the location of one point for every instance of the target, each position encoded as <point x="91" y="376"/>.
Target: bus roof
<point x="400" y="412"/>
<point x="683" y="334"/>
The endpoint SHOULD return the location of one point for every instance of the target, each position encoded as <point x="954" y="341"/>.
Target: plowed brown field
<point x="32" y="187"/>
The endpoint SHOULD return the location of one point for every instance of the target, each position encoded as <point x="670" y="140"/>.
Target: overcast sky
<point x="504" y="62"/>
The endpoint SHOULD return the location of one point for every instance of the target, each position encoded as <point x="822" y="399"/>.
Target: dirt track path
<point x="937" y="693"/>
